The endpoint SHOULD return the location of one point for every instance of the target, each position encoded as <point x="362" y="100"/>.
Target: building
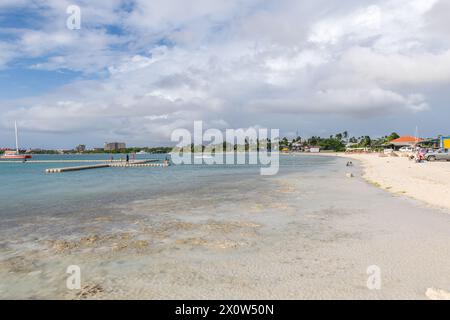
<point x="297" y="146"/>
<point x="313" y="149"/>
<point x="405" y="141"/>
<point x="80" y="148"/>
<point x="114" y="146"/>
<point x="445" y="142"/>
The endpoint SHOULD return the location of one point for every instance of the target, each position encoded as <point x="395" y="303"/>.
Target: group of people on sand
<point x="420" y="154"/>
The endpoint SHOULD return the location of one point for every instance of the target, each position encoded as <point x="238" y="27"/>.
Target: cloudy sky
<point x="138" y="69"/>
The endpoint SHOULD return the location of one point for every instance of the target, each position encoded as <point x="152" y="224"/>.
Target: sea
<point x="27" y="190"/>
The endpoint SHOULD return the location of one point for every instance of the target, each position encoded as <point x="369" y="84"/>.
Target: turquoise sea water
<point x="26" y="190"/>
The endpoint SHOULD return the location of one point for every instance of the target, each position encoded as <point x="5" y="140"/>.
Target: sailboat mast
<point x="417" y="134"/>
<point x="17" y="138"/>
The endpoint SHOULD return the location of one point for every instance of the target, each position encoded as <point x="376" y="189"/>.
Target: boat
<point x="15" y="154"/>
<point x="142" y="152"/>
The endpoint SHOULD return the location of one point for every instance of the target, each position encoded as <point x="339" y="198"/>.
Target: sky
<point x="138" y="69"/>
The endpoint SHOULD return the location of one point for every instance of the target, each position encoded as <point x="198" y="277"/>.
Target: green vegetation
<point x="338" y="142"/>
<point x="159" y="150"/>
<point x="132" y="150"/>
<point x="334" y="143"/>
<point x="44" y="152"/>
<point x="35" y="151"/>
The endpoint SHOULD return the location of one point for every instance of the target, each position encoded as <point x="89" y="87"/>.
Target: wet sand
<point x="302" y="236"/>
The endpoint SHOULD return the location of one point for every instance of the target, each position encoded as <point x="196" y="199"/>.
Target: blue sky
<point x="137" y="70"/>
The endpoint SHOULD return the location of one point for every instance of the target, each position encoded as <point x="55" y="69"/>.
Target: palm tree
<point x="393" y="136"/>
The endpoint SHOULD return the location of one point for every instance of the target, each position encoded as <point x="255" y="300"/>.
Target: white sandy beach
<point x="428" y="182"/>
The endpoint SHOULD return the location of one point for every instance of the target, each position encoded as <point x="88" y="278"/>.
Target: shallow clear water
<point x="26" y="190"/>
<point x="37" y="206"/>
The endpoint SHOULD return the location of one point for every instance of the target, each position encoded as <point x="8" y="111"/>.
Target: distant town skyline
<point x="136" y="70"/>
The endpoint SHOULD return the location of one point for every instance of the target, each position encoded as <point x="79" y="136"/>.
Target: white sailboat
<point x="15" y="154"/>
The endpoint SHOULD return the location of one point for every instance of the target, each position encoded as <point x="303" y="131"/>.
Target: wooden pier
<point x="131" y="164"/>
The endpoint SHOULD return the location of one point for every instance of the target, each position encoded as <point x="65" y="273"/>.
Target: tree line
<point x="338" y="142"/>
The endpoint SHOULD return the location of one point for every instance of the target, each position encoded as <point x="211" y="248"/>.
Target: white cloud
<point x="6" y="54"/>
<point x="359" y="102"/>
<point x="398" y="68"/>
<point x="222" y="58"/>
<point x="362" y="23"/>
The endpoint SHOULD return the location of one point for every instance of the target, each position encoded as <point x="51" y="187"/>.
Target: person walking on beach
<point x="128" y="158"/>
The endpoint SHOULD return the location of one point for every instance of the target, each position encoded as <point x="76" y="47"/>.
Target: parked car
<point x="438" y="155"/>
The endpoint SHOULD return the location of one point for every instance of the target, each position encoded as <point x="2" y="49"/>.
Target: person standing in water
<point x="166" y="162"/>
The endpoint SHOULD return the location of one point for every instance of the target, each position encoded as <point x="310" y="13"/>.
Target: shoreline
<point x="426" y="182"/>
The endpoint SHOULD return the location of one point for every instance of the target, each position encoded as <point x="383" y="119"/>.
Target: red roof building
<point x="405" y="141"/>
